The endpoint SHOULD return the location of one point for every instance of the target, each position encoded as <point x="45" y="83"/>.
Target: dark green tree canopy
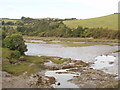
<point x="15" y="42"/>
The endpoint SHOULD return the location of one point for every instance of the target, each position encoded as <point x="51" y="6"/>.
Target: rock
<point x="66" y="66"/>
<point x="58" y="83"/>
<point x="92" y="78"/>
<point x="111" y="62"/>
<point x="40" y="81"/>
<point x="52" y="80"/>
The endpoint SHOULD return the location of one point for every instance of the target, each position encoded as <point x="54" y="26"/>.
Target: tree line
<point x="52" y="28"/>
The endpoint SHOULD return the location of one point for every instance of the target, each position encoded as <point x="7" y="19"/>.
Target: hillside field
<point x="109" y="21"/>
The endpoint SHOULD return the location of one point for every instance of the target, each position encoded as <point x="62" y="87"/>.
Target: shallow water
<point x="62" y="79"/>
<point x="87" y="53"/>
<point x="36" y="41"/>
<point x="103" y="61"/>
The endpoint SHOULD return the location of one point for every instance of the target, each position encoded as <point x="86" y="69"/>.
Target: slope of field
<point x="109" y="21"/>
<point x="10" y="20"/>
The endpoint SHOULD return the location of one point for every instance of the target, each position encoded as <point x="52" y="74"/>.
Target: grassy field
<point x="11" y="20"/>
<point x="109" y="21"/>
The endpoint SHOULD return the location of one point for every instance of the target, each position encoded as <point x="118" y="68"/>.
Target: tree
<point x="3" y="22"/>
<point x="23" y="18"/>
<point x="15" y="42"/>
<point x="2" y="34"/>
<point x="19" y="23"/>
<point x="9" y="23"/>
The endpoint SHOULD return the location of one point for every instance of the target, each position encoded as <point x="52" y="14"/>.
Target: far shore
<point x="72" y="39"/>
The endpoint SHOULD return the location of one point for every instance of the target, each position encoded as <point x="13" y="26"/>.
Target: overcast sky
<point x="57" y="8"/>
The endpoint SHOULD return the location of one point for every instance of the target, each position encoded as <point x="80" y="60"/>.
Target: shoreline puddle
<point x="103" y="61"/>
<point x="62" y="78"/>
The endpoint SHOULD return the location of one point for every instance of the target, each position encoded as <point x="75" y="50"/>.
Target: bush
<point x="15" y="54"/>
<point x="15" y="42"/>
<point x="13" y="58"/>
<point x="9" y="23"/>
<point x="22" y="58"/>
<point x="13" y="61"/>
<point x="19" y="23"/>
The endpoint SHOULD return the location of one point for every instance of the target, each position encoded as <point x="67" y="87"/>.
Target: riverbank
<point x="69" y="39"/>
<point x="29" y="64"/>
<point x="71" y="42"/>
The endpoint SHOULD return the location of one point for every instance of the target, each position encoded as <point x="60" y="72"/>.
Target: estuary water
<point x="87" y="53"/>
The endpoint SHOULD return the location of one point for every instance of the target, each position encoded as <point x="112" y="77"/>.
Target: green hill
<point x="109" y="21"/>
<point x="10" y="20"/>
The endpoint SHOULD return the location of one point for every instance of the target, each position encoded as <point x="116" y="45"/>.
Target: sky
<point x="80" y="9"/>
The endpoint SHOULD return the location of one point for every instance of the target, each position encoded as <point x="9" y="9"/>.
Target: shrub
<point x="15" y="54"/>
<point x="22" y="58"/>
<point x="15" y="42"/>
<point x="13" y="58"/>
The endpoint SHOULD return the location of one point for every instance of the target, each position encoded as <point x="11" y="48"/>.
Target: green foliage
<point x="15" y="42"/>
<point x="101" y="33"/>
<point x="9" y="23"/>
<point x="3" y="22"/>
<point x="8" y="30"/>
<point x="10" y="56"/>
<point x="22" y="58"/>
<point x="56" y="28"/>
<point x="19" y="23"/>
<point x="13" y="58"/>
<point x="3" y="34"/>
<point x="71" y="39"/>
<point x="15" y="54"/>
<point x="29" y="65"/>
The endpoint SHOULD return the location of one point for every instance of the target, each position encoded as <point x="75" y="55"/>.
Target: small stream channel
<point x="62" y="78"/>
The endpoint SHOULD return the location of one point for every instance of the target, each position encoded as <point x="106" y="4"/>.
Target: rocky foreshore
<point x="67" y="65"/>
<point x="87" y="77"/>
<point x="92" y="78"/>
<point x="33" y="81"/>
<point x="40" y="81"/>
